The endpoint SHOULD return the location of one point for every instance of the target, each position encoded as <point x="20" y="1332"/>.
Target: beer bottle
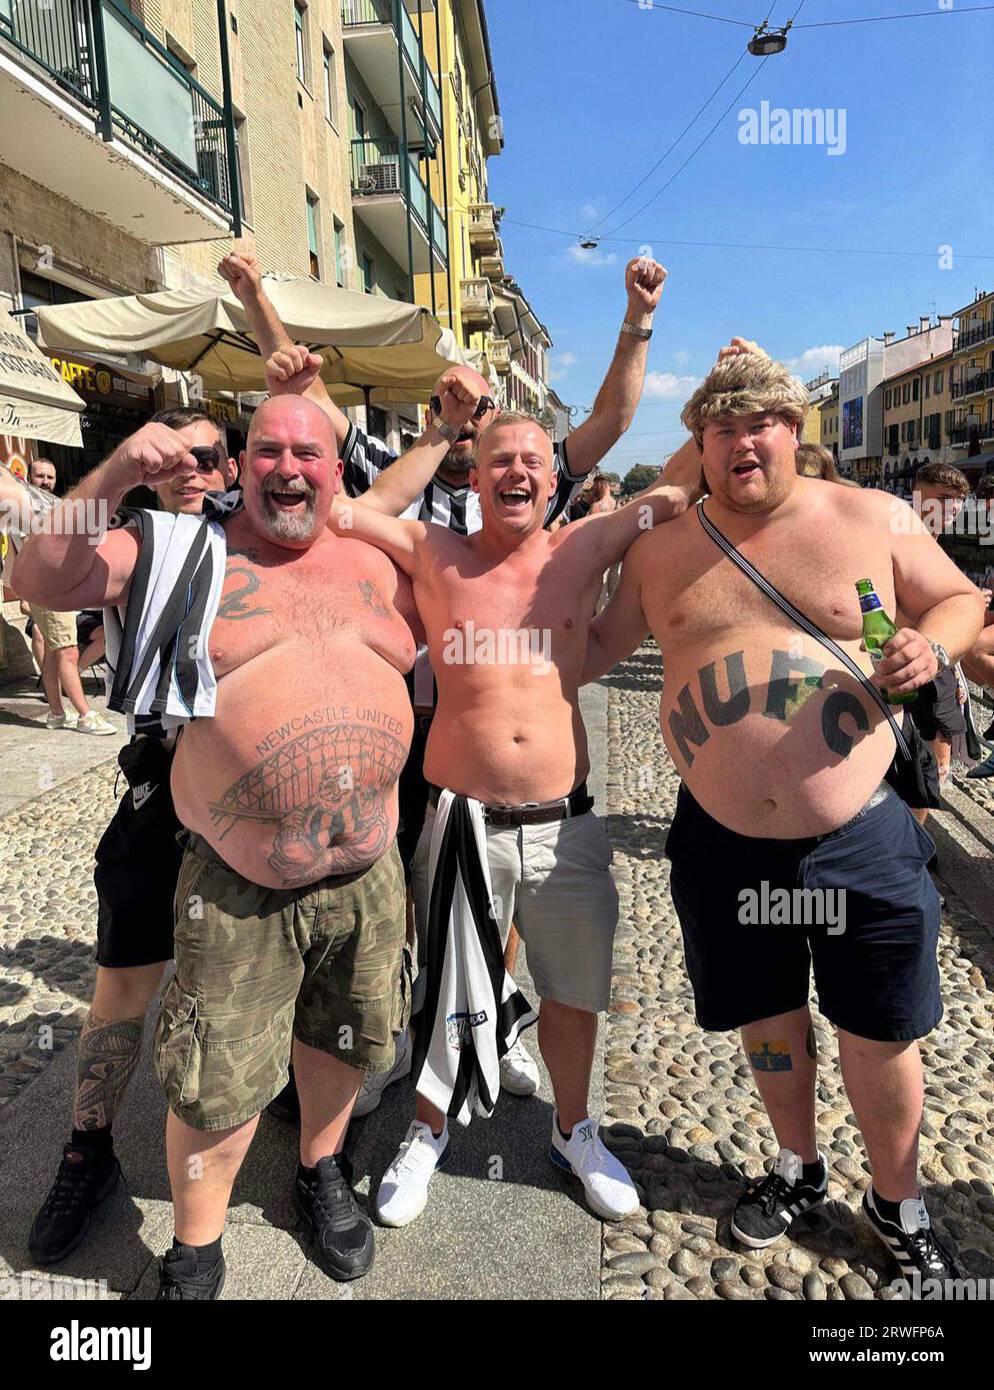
<point x="877" y="631"/>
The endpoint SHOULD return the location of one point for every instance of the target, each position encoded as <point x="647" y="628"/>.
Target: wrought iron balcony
<point x="979" y="333"/>
<point x="975" y="381"/>
<point x="365" y="23"/>
<point x="125" y="89"/>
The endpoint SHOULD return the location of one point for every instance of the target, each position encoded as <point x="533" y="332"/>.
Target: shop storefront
<point x="117" y="403"/>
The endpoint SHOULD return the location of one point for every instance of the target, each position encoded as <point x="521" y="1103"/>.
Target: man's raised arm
<point x="405" y="542"/>
<point x="73" y="562"/>
<point x="244" y="274"/>
<point x="617" y="400"/>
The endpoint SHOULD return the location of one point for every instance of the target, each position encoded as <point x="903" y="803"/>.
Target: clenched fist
<point x="243" y="273"/>
<point x="644" y="280"/>
<point x="151" y="455"/>
<point x="291" y="370"/>
<point x="460" y="394"/>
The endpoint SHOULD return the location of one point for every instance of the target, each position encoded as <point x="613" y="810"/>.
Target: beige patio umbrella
<point x="375" y="349"/>
<point x="35" y="403"/>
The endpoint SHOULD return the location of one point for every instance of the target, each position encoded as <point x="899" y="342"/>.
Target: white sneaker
<point x="518" y="1072"/>
<point x="69" y="720"/>
<point x="372" y="1088"/>
<point x="403" y="1191"/>
<point x="607" y="1186"/>
<point x="93" y="723"/>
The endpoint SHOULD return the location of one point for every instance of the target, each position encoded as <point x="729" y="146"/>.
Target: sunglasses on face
<point x="208" y="458"/>
<point x="485" y="404"/>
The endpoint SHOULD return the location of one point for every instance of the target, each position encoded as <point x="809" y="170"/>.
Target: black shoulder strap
<point x="813" y="630"/>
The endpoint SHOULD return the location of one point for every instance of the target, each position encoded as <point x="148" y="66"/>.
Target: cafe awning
<point x="35" y="403"/>
<point x="375" y="350"/>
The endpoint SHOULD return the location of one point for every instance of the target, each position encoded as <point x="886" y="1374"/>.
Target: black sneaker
<point x="921" y="1256"/>
<point x="182" y="1280"/>
<point x="84" y="1180"/>
<point x="765" y="1210"/>
<point x="343" y="1233"/>
<point x="984" y="769"/>
<point x="286" y="1105"/>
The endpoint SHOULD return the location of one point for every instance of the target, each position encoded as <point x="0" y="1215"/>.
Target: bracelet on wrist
<point x="636" y="332"/>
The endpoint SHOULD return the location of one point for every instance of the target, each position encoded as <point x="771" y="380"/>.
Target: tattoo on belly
<point x="326" y="791"/>
<point x="793" y="680"/>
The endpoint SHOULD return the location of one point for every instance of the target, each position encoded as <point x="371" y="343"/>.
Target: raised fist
<point x="151" y="455"/>
<point x="644" y="280"/>
<point x="243" y="273"/>
<point x="291" y="370"/>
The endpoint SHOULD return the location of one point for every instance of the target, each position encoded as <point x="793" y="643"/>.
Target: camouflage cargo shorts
<point x="256" y="967"/>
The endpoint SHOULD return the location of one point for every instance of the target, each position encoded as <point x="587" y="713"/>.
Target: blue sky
<point x="593" y="91"/>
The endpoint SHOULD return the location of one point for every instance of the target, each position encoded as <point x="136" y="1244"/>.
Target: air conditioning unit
<point x="380" y="178"/>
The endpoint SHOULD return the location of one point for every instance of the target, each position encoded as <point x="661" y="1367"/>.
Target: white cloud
<point x="815" y="360"/>
<point x="666" y="386"/>
<point x="681" y="358"/>
<point x="560" y="363"/>
<point x="591" y="211"/>
<point x="578" y="256"/>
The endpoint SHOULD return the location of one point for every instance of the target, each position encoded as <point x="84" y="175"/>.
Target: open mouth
<point x="745" y="470"/>
<point x="515" y="499"/>
<point x="288" y="499"/>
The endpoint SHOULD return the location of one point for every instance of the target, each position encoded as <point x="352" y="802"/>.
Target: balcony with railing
<point x="477" y="303"/>
<point x="959" y="435"/>
<point x="116" y="125"/>
<point x="483" y="236"/>
<point x="976" y="333"/>
<point x="388" y="192"/>
<point x="377" y="33"/>
<point x="499" y="355"/>
<point x="974" y="381"/>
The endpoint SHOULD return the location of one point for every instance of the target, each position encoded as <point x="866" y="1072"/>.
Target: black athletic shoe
<point x="182" y="1280"/>
<point x="286" y="1106"/>
<point x="84" y="1180"/>
<point x="765" y="1210"/>
<point x="922" y="1258"/>
<point x="984" y="769"/>
<point x="343" y="1233"/>
<point x="988" y="736"/>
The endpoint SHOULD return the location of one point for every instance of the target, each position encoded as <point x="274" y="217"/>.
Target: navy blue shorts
<point x="871" y="931"/>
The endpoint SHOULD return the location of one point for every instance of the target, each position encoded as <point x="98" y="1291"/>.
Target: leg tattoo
<point x="108" y="1055"/>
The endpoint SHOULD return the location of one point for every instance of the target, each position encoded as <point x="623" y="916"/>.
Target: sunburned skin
<point x="296" y="777"/>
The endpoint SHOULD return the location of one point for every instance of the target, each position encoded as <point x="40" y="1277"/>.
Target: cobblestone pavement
<point x="680" y="1109"/>
<point x="680" y="1104"/>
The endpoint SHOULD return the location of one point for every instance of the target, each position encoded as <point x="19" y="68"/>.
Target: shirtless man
<point x="783" y="754"/>
<point x="509" y="734"/>
<point x="290" y="903"/>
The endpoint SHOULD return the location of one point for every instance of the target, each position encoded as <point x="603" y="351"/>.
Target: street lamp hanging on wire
<point x="765" y="42"/>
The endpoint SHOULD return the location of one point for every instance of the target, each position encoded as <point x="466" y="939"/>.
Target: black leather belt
<point x="578" y="803"/>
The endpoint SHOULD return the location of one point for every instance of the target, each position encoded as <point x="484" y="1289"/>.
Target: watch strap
<point x="644" y="333"/>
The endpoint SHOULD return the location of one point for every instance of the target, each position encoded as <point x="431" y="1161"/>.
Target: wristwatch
<point x="941" y="655"/>
<point x="644" y="333"/>
<point x="448" y="432"/>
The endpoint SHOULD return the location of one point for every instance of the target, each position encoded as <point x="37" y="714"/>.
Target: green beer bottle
<point x="878" y="630"/>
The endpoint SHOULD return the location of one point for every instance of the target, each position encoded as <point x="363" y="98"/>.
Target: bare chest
<point x="554" y="599"/>
<point x="706" y="596"/>
<point x="313" y="601"/>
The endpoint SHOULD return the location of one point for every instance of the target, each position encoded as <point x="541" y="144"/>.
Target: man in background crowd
<point x="940" y="494"/>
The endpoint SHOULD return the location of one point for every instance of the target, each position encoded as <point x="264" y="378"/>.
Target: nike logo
<point x="139" y="795"/>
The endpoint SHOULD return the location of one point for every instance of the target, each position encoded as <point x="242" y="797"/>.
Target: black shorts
<point x="413" y="795"/>
<point x="937" y="709"/>
<point x="138" y="861"/>
<point x="877" y="977"/>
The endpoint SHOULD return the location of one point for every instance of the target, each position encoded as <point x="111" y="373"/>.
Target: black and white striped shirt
<point x="457" y="508"/>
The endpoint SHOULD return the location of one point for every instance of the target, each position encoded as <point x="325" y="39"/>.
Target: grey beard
<point x="288" y="526"/>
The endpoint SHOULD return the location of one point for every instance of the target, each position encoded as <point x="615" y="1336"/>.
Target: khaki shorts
<point x="58" y="629"/>
<point x="256" y="967"/>
<point x="554" y="882"/>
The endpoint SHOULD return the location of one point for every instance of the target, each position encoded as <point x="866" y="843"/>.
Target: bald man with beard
<point x="290" y="902"/>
